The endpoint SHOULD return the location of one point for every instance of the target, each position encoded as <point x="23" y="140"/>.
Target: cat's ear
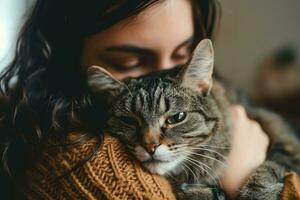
<point x="197" y="74"/>
<point x="102" y="82"/>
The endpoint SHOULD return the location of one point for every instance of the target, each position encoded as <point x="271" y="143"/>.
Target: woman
<point x="61" y="39"/>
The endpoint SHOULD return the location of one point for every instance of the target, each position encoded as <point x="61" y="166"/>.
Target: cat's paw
<point x="265" y="184"/>
<point x="199" y="192"/>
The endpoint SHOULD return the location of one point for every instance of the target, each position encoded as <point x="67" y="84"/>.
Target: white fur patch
<point x="162" y="168"/>
<point x="161" y="162"/>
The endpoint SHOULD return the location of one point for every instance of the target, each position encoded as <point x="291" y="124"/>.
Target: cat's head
<point x="165" y="117"/>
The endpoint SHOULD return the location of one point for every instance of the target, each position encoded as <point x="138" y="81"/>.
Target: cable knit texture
<point x="291" y="190"/>
<point x="110" y="174"/>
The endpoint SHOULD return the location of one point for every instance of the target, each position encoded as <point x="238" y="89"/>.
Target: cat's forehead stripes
<point x="163" y="103"/>
<point x="148" y="99"/>
<point x="139" y="102"/>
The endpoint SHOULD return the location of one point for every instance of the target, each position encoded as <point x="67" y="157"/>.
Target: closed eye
<point x="129" y="120"/>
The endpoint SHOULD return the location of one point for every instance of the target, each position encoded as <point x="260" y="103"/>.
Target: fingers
<point x="249" y="147"/>
<point x="246" y="125"/>
<point x="238" y="111"/>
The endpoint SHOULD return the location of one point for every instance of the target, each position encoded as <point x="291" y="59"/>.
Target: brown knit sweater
<point x="291" y="190"/>
<point x="110" y="174"/>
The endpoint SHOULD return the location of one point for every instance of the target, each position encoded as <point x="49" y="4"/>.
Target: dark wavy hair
<point x="43" y="91"/>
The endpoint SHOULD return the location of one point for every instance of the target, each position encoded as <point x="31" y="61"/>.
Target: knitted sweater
<point x="109" y="174"/>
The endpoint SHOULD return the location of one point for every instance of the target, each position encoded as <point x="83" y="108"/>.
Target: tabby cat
<point x="177" y="124"/>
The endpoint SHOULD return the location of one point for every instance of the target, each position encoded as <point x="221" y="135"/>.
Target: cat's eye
<point x="129" y="120"/>
<point x="178" y="117"/>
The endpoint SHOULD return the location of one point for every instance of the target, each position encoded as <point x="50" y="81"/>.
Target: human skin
<point x="163" y="31"/>
<point x="159" y="38"/>
<point x="244" y="158"/>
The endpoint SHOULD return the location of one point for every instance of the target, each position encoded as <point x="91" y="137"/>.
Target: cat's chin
<point x="162" y="168"/>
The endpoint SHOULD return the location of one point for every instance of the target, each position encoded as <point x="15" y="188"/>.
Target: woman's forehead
<point x="161" y="26"/>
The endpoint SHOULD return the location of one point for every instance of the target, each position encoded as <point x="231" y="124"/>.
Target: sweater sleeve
<point x="291" y="189"/>
<point x="109" y="174"/>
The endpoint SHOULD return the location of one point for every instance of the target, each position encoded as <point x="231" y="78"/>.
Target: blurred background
<point x="12" y="15"/>
<point x="257" y="48"/>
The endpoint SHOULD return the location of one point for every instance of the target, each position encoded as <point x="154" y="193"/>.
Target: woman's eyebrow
<point x="127" y="48"/>
<point x="130" y="49"/>
<point x="189" y="41"/>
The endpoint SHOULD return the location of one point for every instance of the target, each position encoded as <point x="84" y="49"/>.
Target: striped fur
<point x="191" y="152"/>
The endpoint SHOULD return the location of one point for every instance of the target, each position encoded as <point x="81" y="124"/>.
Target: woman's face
<point x="159" y="38"/>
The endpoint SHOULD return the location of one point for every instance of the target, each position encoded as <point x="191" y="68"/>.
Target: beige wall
<point x="252" y="29"/>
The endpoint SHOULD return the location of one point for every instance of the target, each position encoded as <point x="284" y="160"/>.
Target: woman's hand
<point x="249" y="149"/>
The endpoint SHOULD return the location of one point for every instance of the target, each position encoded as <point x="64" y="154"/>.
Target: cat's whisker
<point x="205" y="156"/>
<point x="216" y="147"/>
<point x="184" y="169"/>
<point x="207" y="149"/>
<point x="180" y="145"/>
<point x="195" y="176"/>
<point x="170" y="175"/>
<point x="212" y="146"/>
<point x="193" y="173"/>
<point x="196" y="164"/>
<point x="206" y="167"/>
<point x="220" y="162"/>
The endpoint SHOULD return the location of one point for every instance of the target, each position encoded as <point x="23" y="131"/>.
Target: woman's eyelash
<point x="181" y="56"/>
<point x="124" y="67"/>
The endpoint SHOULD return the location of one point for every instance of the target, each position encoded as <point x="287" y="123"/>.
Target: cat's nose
<point x="151" y="148"/>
